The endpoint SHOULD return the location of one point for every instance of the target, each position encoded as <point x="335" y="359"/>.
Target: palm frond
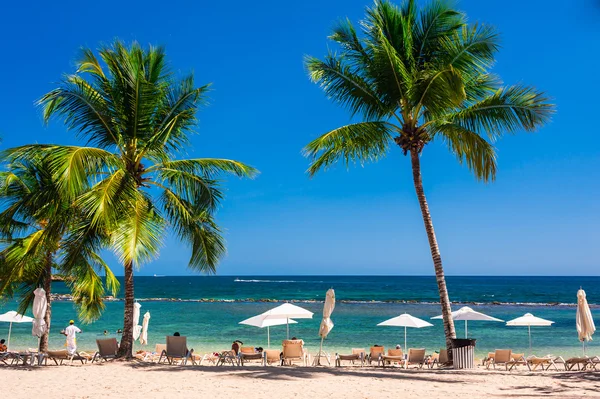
<point x="344" y="86"/>
<point x="508" y="110"/>
<point x="471" y="148"/>
<point x="355" y="143"/>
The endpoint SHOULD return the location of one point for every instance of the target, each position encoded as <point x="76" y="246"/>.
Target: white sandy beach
<point x="146" y="380"/>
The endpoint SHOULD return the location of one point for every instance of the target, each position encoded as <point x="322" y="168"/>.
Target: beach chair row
<point x="507" y="359"/>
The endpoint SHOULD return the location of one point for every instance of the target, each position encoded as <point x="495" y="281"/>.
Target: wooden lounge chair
<point x="293" y="350"/>
<point x="248" y="353"/>
<point x="415" y="356"/>
<point x="177" y="349"/>
<point x="393" y="355"/>
<point x="375" y="354"/>
<point x="228" y="357"/>
<point x="501" y="357"/>
<point x="439" y="359"/>
<point x="518" y="359"/>
<point x="357" y="354"/>
<point x="59" y="356"/>
<point x="272" y="356"/>
<point x="533" y="362"/>
<point x="107" y="349"/>
<point x="582" y="363"/>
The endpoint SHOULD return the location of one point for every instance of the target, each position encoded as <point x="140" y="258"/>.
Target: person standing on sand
<point x="70" y="333"/>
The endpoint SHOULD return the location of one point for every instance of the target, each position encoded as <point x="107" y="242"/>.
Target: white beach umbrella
<point x="39" y="311"/>
<point x="13" y="317"/>
<point x="144" y="335"/>
<point x="137" y="329"/>
<point x="466" y="313"/>
<point x="585" y="321"/>
<point x="288" y="311"/>
<point x="260" y="322"/>
<point x="326" y="324"/>
<point x="529" y="320"/>
<point x="405" y="320"/>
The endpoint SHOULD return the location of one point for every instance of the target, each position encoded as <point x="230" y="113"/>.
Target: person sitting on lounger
<point x="236" y="346"/>
<point x="3" y="347"/>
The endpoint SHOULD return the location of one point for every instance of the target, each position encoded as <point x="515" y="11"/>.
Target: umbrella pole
<point x="466" y="329"/>
<point x="405" y="348"/>
<point x="268" y="337"/>
<point x="320" y="351"/>
<point x="529" y="328"/>
<point x="287" y="320"/>
<point x="9" y="331"/>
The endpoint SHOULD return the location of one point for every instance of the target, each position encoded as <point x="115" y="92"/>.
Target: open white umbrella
<point x="326" y="324"/>
<point x="585" y="321"/>
<point x="405" y="320"/>
<point x="144" y="335"/>
<point x="137" y="329"/>
<point x="260" y="322"/>
<point x="39" y="311"/>
<point x="529" y="320"/>
<point x="287" y="311"/>
<point x="13" y="317"/>
<point x="466" y="313"/>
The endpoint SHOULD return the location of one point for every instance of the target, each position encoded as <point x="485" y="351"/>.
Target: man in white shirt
<point x="71" y="339"/>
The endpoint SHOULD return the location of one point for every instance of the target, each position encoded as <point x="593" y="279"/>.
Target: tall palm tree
<point x="416" y="77"/>
<point x="139" y="116"/>
<point x="34" y="222"/>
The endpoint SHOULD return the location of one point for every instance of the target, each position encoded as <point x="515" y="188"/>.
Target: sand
<point x="137" y="379"/>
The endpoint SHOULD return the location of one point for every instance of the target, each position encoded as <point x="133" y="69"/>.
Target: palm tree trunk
<point x="126" y="347"/>
<point x="48" y="288"/>
<point x="435" y="252"/>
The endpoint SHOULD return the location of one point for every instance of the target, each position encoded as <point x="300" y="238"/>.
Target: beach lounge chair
<point x="393" y="355"/>
<point x="415" y="356"/>
<point x="375" y="354"/>
<point x="501" y="357"/>
<point x="177" y="349"/>
<point x="357" y="354"/>
<point x="582" y="363"/>
<point x="272" y="356"/>
<point x="533" y="362"/>
<point x="248" y="353"/>
<point x="228" y="357"/>
<point x="518" y="359"/>
<point x="439" y="359"/>
<point x="293" y="350"/>
<point x="4" y="357"/>
<point x="153" y="356"/>
<point x="107" y="349"/>
<point x="59" y="356"/>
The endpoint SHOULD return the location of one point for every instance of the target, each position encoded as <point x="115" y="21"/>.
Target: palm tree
<point x="139" y="116"/>
<point x="416" y="77"/>
<point x="34" y="222"/>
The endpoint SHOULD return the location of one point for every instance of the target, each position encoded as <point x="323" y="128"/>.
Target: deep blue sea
<point x="207" y="309"/>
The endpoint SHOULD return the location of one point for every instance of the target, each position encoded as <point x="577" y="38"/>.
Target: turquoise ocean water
<point x="207" y="310"/>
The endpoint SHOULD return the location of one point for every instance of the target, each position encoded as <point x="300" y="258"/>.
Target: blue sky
<point x="541" y="216"/>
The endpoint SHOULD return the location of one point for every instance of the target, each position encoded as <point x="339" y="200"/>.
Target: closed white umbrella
<point x="326" y="324"/>
<point x="288" y="311"/>
<point x="144" y="335"/>
<point x="137" y="329"/>
<point x="39" y="311"/>
<point x="405" y="320"/>
<point x="260" y="322"/>
<point x="466" y="313"/>
<point x="585" y="321"/>
<point x="529" y="320"/>
<point x="13" y="317"/>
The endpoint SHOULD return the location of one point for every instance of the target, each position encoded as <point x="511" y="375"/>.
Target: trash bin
<point x="463" y="353"/>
